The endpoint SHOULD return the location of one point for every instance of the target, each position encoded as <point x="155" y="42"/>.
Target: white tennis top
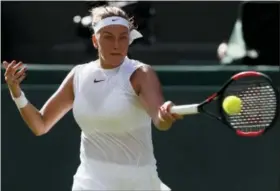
<point x="116" y="130"/>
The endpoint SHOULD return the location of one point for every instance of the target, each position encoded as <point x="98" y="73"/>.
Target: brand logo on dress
<point x="96" y="81"/>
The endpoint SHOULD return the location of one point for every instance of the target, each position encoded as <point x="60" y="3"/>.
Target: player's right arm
<point x="40" y="121"/>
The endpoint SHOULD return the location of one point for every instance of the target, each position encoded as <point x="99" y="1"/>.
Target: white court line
<point x="166" y="68"/>
<point x="165" y="88"/>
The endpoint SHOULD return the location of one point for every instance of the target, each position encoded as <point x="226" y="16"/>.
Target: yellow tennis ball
<point x="232" y="105"/>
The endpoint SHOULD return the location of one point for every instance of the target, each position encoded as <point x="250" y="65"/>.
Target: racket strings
<point x="258" y="105"/>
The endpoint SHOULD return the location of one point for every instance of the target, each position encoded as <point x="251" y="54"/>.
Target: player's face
<point x="112" y="43"/>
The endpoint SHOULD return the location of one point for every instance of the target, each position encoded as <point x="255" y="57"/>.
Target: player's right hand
<point x="15" y="73"/>
<point x="167" y="118"/>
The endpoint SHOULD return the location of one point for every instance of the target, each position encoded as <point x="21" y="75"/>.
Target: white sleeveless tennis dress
<point x="116" y="146"/>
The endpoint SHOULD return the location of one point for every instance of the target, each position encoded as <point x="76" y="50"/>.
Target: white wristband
<point x="21" y="101"/>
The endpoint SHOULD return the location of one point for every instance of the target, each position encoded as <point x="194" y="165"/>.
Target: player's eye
<point x="108" y="37"/>
<point x="124" y="37"/>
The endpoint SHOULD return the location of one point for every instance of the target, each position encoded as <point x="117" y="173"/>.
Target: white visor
<point x="134" y="34"/>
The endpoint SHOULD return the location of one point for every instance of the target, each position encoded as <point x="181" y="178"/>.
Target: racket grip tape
<point x="185" y="109"/>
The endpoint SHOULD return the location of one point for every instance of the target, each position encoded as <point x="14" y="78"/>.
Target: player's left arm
<point x="146" y="84"/>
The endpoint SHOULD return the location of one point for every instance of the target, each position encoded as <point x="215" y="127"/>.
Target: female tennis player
<point x="114" y="100"/>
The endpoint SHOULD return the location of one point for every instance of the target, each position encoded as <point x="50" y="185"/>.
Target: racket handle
<point x="185" y="109"/>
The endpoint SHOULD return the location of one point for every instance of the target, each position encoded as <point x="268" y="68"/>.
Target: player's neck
<point x="104" y="65"/>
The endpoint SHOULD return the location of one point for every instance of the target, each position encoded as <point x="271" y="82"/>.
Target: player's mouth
<point x="116" y="54"/>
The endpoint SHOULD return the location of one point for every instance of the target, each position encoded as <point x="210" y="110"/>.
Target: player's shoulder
<point x="142" y="70"/>
<point x="141" y="66"/>
<point x="83" y="67"/>
<point x="143" y="75"/>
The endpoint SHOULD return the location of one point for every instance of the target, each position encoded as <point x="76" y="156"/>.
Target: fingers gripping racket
<point x="259" y="104"/>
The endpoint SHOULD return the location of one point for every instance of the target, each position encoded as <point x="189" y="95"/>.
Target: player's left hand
<point x="165" y="115"/>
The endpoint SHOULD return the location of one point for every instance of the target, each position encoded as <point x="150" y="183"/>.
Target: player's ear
<point x="94" y="41"/>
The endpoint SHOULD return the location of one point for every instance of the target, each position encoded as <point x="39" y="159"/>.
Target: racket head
<point x="260" y="103"/>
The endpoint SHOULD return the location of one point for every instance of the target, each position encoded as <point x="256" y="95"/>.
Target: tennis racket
<point x="259" y="108"/>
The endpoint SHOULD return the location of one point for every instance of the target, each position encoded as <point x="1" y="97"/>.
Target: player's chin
<point x="116" y="60"/>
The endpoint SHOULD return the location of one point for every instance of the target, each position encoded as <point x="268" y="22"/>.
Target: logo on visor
<point x="114" y="20"/>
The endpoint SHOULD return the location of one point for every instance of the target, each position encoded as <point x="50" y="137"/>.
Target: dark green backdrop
<point x="197" y="154"/>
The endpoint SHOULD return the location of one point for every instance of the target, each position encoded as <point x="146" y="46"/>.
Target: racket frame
<point x="218" y="96"/>
<point x="239" y="76"/>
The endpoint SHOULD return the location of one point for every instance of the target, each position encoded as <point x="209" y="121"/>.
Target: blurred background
<point x="193" y="46"/>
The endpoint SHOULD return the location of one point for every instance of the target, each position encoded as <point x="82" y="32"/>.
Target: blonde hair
<point x="102" y="12"/>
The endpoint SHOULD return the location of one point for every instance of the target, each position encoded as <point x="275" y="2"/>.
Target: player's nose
<point x="116" y="44"/>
